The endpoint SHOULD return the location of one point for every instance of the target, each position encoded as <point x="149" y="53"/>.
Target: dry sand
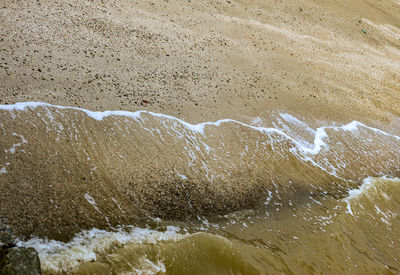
<point x="204" y="60"/>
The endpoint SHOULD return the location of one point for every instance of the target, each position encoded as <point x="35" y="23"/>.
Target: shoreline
<point x="178" y="111"/>
<point x="88" y="248"/>
<point x="207" y="62"/>
<point x="129" y="166"/>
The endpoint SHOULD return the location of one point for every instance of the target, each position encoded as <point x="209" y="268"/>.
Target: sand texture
<point x="204" y="60"/>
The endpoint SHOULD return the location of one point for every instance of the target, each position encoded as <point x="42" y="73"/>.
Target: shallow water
<point x="270" y="195"/>
<point x="357" y="234"/>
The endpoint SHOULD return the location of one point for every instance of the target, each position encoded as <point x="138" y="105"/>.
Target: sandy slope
<point x="203" y="60"/>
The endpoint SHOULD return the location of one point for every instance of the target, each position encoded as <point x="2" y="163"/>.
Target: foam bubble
<point x="320" y="132"/>
<point x="367" y="184"/>
<point x="299" y="149"/>
<point x="91" y="201"/>
<point x="57" y="256"/>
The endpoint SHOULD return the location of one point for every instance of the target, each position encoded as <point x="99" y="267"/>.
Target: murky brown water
<point x="359" y="234"/>
<point x="171" y="197"/>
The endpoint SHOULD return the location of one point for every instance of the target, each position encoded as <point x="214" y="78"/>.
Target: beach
<point x="203" y="61"/>
<point x="255" y="136"/>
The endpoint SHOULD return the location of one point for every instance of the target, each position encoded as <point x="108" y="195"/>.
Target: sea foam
<point x="56" y="256"/>
<point x="320" y="133"/>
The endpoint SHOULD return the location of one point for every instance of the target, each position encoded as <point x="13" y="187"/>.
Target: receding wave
<point x="90" y="245"/>
<point x="356" y="234"/>
<point x="65" y="169"/>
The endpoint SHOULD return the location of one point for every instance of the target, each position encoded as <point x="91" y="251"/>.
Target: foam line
<point x="368" y="183"/>
<point x="57" y="256"/>
<point x="320" y="133"/>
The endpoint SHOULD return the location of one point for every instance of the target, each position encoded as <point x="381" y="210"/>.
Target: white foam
<point x="15" y="145"/>
<point x="91" y="201"/>
<point x="57" y="256"/>
<point x="355" y="193"/>
<point x="291" y="119"/>
<point x="313" y="149"/>
<point x="3" y="170"/>
<point x="182" y="176"/>
<point x="147" y="267"/>
<point x="318" y="141"/>
<point x="368" y="183"/>
<point x="119" y="207"/>
<point x="257" y="121"/>
<point x="386" y="217"/>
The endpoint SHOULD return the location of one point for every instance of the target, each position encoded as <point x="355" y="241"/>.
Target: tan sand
<point x="204" y="60"/>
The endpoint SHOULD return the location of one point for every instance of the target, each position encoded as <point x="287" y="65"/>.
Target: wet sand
<point x="202" y="61"/>
<point x="64" y="170"/>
